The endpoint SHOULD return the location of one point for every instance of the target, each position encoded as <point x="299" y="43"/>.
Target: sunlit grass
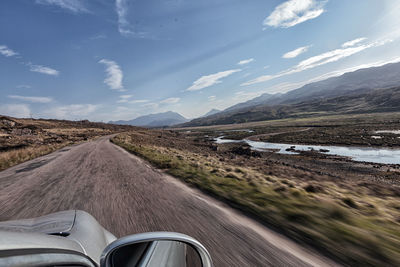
<point x="17" y="156"/>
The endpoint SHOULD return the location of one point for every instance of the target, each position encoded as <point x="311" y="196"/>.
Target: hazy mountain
<point x="266" y="98"/>
<point x="211" y="112"/>
<point x="360" y="101"/>
<point x="371" y="78"/>
<point x="267" y="106"/>
<point x="364" y="79"/>
<point x="155" y="120"/>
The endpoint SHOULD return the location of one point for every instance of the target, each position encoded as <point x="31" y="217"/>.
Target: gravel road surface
<point x="129" y="196"/>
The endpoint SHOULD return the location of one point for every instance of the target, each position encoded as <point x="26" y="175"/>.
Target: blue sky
<point x="117" y="59"/>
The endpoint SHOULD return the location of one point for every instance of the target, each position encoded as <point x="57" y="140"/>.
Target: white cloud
<point x="212" y="98"/>
<point x="150" y="105"/>
<point x="124" y="27"/>
<point x="71" y="112"/>
<point x="171" y="100"/>
<point x="353" y="42"/>
<point x="245" y="61"/>
<point x="286" y="87"/>
<point x="336" y="55"/>
<point x="260" y="79"/>
<point x="114" y="75"/>
<point x="354" y="68"/>
<point x="243" y="96"/>
<point x="43" y="69"/>
<point x="124" y="98"/>
<point x="296" y="52"/>
<point x="98" y="36"/>
<point x="33" y="99"/>
<point x="15" y="110"/>
<point x="23" y="86"/>
<point x="293" y="12"/>
<point x="138" y="101"/>
<point x="209" y="80"/>
<point x="75" y="6"/>
<point x="315" y="61"/>
<point x="7" y="52"/>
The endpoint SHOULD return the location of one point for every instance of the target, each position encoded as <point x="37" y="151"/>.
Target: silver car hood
<point x="55" y="223"/>
<point x="69" y="230"/>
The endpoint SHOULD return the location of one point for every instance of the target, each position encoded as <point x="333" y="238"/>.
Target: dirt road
<point x="128" y="196"/>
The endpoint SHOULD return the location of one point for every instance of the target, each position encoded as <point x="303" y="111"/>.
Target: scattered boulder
<point x="245" y="150"/>
<point x="313" y="188"/>
<point x="291" y="149"/>
<point x="22" y="131"/>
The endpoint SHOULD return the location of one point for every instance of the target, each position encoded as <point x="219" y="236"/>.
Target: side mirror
<point x="156" y="249"/>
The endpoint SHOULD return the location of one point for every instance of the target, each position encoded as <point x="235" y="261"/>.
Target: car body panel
<point x="72" y="230"/>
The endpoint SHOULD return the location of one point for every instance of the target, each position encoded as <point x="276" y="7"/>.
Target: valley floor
<point x="348" y="210"/>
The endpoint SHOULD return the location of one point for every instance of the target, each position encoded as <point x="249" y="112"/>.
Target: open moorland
<point x="347" y="210"/>
<point x="25" y="139"/>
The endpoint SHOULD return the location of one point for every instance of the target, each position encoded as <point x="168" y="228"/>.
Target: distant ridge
<point x="273" y="106"/>
<point x="211" y="112"/>
<point x="168" y="118"/>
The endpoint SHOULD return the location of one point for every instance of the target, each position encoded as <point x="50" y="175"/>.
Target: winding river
<point x="362" y="154"/>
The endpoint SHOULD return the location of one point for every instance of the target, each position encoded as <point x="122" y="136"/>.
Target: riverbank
<point x="359" y="130"/>
<point x="359" y="154"/>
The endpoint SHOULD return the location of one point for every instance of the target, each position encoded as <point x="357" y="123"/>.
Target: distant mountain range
<point x="356" y="91"/>
<point x="168" y="118"/>
<point x="360" y="101"/>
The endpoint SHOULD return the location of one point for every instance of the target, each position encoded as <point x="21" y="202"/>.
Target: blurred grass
<point x="354" y="229"/>
<point x="17" y="156"/>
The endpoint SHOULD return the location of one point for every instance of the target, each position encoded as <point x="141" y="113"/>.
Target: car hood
<point x="55" y="223"/>
<point x="72" y="230"/>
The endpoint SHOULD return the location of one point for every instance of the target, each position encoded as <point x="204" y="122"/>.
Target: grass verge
<point x="17" y="156"/>
<point x="355" y="229"/>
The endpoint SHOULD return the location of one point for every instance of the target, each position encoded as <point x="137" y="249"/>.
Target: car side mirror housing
<point x="156" y="249"/>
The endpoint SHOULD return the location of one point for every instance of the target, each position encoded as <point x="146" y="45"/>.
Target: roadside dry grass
<point x="14" y="157"/>
<point x="353" y="227"/>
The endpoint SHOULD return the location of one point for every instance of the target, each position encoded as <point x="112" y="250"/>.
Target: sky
<point x="108" y="60"/>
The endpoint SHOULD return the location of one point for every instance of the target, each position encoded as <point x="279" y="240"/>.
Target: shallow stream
<point x="362" y="154"/>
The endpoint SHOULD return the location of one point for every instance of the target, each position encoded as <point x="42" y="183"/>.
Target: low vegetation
<point x="356" y="225"/>
<point x="17" y="156"/>
<point x="25" y="139"/>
